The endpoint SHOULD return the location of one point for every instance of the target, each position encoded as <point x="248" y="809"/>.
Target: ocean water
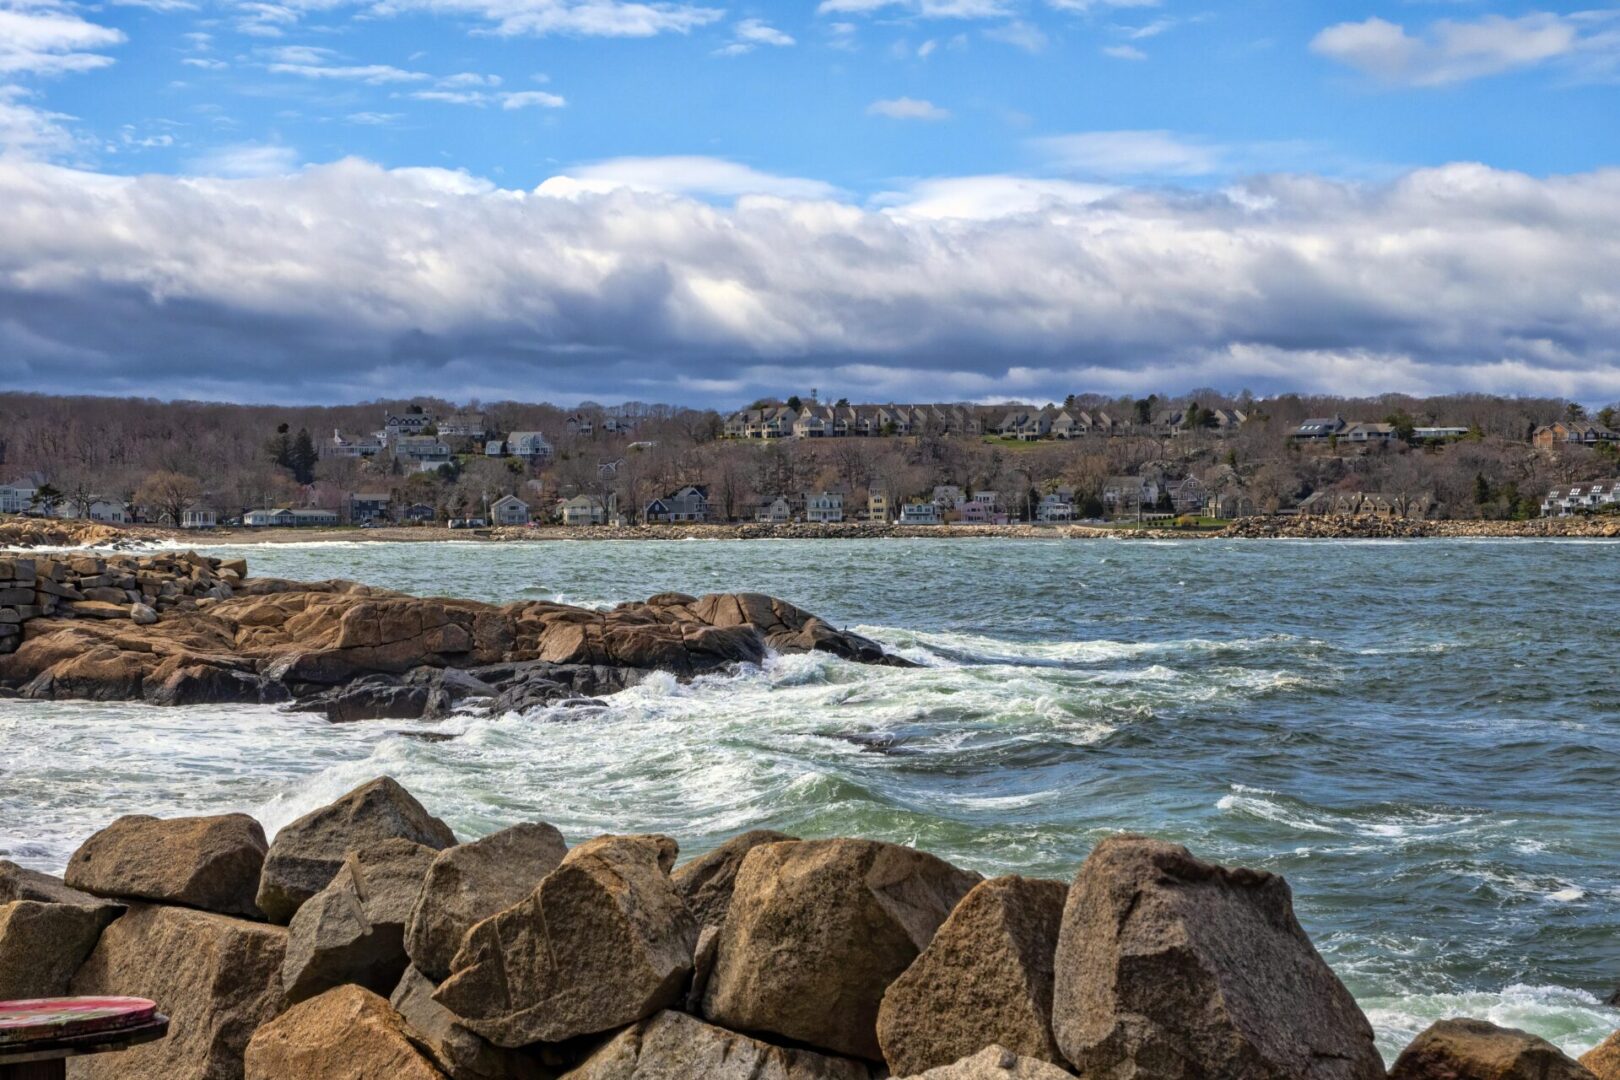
<point x="1423" y="736"/>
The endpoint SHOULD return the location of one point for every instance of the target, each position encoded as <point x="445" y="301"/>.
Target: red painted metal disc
<point x="57" y="1018"/>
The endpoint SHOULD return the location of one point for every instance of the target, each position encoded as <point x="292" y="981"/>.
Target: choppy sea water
<point x="1423" y="736"/>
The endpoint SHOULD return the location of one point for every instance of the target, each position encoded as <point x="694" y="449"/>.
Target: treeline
<point x="238" y="456"/>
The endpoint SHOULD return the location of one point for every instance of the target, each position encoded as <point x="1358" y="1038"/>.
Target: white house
<point x="1576" y="498"/>
<point x="425" y="450"/>
<point x="362" y="446"/>
<point x="824" y="506"/>
<point x="108" y="511"/>
<point x="532" y="446"/>
<point x="509" y="510"/>
<point x="17" y="498"/>
<point x="921" y="513"/>
<point x="283" y="517"/>
<point x="776" y="512"/>
<point x="1056" y="506"/>
<point x="584" y="510"/>
<point x="198" y="517"/>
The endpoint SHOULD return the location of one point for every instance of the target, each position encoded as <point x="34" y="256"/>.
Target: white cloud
<point x="243" y="161"/>
<point x="470" y="78"/>
<point x="1085" y="7"/>
<point x="372" y="74"/>
<point x="374" y="119"/>
<point x="583" y="18"/>
<point x="750" y="34"/>
<point x="684" y="175"/>
<point x="345" y="280"/>
<point x="983" y="198"/>
<point x="1124" y="52"/>
<point x="1022" y="35"/>
<point x="1130" y="154"/>
<point x="50" y="39"/>
<point x="926" y="9"/>
<point x="524" y="99"/>
<point x="204" y="62"/>
<point x="517" y="99"/>
<point x="1453" y="51"/>
<point x="31" y="131"/>
<point x="905" y="108"/>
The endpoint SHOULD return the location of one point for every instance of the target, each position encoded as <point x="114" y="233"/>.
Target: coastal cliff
<point x="185" y="629"/>
<point x="366" y="941"/>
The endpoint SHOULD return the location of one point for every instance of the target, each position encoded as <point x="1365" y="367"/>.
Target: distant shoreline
<point x="17" y="533"/>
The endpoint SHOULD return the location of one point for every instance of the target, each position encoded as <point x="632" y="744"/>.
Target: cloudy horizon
<point x="335" y="201"/>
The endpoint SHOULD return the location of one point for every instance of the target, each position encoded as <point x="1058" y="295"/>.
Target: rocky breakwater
<point x="366" y="942"/>
<point x="183" y="629"/>
<point x="25" y="532"/>
<point x="1377" y="527"/>
<point x="119" y="587"/>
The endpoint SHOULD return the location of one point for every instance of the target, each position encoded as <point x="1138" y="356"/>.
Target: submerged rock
<point x="603" y="941"/>
<point x="470" y="882"/>
<point x="1478" y="1050"/>
<point x="985" y="978"/>
<point x="1170" y="966"/>
<point x="816" y="932"/>
<point x="307" y="854"/>
<point x="212" y="863"/>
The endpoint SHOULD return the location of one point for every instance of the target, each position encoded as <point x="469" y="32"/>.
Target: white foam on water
<point x="1573" y="1020"/>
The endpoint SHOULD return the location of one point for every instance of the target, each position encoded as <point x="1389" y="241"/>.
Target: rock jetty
<point x="404" y="953"/>
<point x="183" y="629"/>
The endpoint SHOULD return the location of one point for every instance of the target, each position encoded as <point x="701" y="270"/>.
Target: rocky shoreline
<point x="31" y="533"/>
<point x="188" y="630"/>
<point x="365" y="942"/>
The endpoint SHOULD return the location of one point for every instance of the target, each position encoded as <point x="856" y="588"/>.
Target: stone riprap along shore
<point x="365" y="942"/>
<point x="183" y="629"/>
<point x="120" y="587"/>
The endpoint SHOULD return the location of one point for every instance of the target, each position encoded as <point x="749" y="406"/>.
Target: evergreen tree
<point x="302" y="457"/>
<point x="1482" y="489"/>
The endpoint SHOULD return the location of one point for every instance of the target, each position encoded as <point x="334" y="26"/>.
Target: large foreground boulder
<point x="459" y="1051"/>
<point x="211" y="863"/>
<point x="706" y="882"/>
<point x="603" y="941"/>
<point x="674" y="1046"/>
<point x="1603" y="1060"/>
<point x="347" y="1033"/>
<point x="985" y="979"/>
<point x="995" y="1063"/>
<point x="818" y="929"/>
<point x="1171" y="967"/>
<point x="1479" y="1050"/>
<point x="42" y="945"/>
<point x="353" y="931"/>
<point x="217" y="978"/>
<point x="307" y="854"/>
<point x="470" y="882"/>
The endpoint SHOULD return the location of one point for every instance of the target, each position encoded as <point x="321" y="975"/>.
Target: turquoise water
<point x="1423" y="736"/>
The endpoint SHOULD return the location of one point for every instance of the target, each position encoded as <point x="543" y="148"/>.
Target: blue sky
<point x="958" y="198"/>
